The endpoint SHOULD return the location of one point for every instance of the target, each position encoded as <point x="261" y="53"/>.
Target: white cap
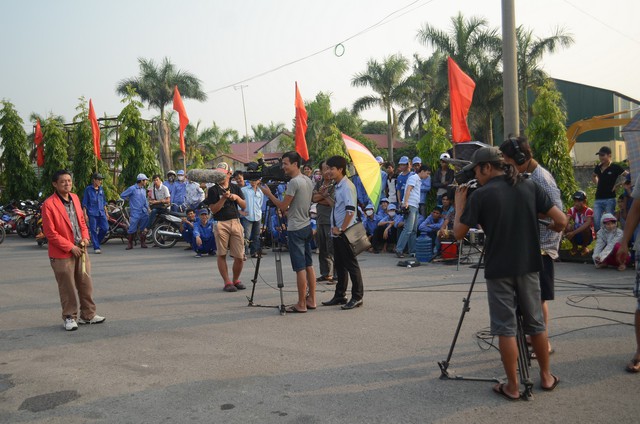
<point x="141" y="177"/>
<point x="445" y="156"/>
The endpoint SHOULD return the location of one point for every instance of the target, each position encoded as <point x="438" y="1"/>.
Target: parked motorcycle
<point x="165" y="229"/>
<point x="118" y="222"/>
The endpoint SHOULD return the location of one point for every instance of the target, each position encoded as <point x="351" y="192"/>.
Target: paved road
<point x="175" y="348"/>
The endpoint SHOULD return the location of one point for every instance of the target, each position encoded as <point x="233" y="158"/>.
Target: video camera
<point x="270" y="173"/>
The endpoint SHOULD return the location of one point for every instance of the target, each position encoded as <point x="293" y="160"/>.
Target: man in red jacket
<point x="66" y="230"/>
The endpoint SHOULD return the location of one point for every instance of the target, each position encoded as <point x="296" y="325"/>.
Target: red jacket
<point x="57" y="226"/>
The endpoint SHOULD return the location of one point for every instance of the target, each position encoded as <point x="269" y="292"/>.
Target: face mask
<point x="180" y="177"/>
<point x="313" y="216"/>
<point x="369" y="212"/>
<point x="392" y="214"/>
<point x="171" y="178"/>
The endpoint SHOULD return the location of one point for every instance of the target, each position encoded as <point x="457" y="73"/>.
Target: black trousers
<point x="346" y="265"/>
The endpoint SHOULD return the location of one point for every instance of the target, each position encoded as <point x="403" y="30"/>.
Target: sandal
<point x="622" y="267"/>
<point x="633" y="366"/>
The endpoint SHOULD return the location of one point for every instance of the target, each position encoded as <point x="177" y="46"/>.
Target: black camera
<point x="261" y="170"/>
<point x="403" y="211"/>
<point x="463" y="177"/>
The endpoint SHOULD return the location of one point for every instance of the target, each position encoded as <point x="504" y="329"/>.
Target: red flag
<point x="178" y="106"/>
<point x="460" y="95"/>
<point x="39" y="145"/>
<point x="95" y="129"/>
<point x="301" y="127"/>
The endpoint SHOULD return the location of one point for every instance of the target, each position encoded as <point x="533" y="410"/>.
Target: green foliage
<point x="434" y="142"/>
<point x="55" y="152"/>
<point x="374" y="127"/>
<point x="135" y="150"/>
<point x="548" y="138"/>
<point x="18" y="175"/>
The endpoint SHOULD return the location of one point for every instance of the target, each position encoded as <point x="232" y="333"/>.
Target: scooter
<point x="118" y="220"/>
<point x="165" y="229"/>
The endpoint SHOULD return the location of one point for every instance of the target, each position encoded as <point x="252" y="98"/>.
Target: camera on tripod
<point x="270" y="173"/>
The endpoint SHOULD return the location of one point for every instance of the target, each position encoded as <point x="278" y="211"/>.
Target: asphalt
<point x="177" y="349"/>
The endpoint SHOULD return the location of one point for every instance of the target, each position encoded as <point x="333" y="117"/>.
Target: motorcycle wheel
<point x="22" y="228"/>
<point x="3" y="233"/>
<point x="162" y="241"/>
<point x="105" y="239"/>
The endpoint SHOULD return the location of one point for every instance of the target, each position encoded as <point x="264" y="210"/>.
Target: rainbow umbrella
<point x="367" y="167"/>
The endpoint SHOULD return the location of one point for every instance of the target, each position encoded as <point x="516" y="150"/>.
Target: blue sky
<point x="56" y="51"/>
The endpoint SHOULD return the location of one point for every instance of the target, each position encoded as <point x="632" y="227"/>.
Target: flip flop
<point x="556" y="380"/>
<point x="294" y="310"/>
<point x="633" y="366"/>
<point x="499" y="389"/>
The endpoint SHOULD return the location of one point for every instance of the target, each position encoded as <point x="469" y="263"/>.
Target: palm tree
<point x="530" y="52"/>
<point x="477" y="50"/>
<point x="155" y="86"/>
<point x="387" y="80"/>
<point x="267" y="132"/>
<point x="206" y="143"/>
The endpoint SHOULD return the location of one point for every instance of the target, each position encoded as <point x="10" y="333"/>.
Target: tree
<point x="374" y="127"/>
<point x="477" y="51"/>
<point x="155" y="86"/>
<point x="206" y="143"/>
<point x="530" y="52"/>
<point x="547" y="135"/>
<point x="268" y="132"/>
<point x="434" y="141"/>
<point x="135" y="151"/>
<point x="386" y="79"/>
<point x="18" y="175"/>
<point x="55" y="151"/>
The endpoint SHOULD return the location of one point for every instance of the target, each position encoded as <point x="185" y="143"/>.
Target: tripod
<point x="277" y="252"/>
<point x="524" y="359"/>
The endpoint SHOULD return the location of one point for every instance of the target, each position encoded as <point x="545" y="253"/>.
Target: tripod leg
<point x="280" y="280"/>
<point x="255" y="279"/>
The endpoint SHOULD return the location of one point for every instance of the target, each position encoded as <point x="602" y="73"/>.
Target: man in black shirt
<point x="507" y="208"/>
<point x="605" y="176"/>
<point x="223" y="200"/>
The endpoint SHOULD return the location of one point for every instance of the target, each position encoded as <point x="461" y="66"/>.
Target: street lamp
<point x="244" y="110"/>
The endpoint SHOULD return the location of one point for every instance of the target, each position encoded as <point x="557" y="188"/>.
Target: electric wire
<point x="600" y="21"/>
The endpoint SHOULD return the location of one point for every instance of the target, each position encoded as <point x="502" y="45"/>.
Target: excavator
<point x="596" y="123"/>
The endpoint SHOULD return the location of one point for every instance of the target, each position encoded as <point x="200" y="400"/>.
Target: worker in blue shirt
<point x="370" y="220"/>
<point x="138" y="209"/>
<point x="178" y="192"/>
<point x="94" y="204"/>
<point x="430" y="227"/>
<point x="205" y="241"/>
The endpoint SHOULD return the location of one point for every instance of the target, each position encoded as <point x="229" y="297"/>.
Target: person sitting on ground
<point x="385" y="234"/>
<point x="608" y="243"/>
<point x="580" y="227"/>
<point x="186" y="228"/>
<point x="313" y="220"/>
<point x="203" y="237"/>
<point x="278" y="227"/>
<point x="370" y="223"/>
<point x="382" y="209"/>
<point x="431" y="225"/>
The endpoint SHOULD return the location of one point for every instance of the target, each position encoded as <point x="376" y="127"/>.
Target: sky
<point x="54" y="52"/>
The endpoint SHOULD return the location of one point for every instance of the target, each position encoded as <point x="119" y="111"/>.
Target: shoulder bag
<point x="356" y="235"/>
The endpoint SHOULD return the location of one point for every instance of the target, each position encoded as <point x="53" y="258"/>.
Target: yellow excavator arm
<point x="595" y="123"/>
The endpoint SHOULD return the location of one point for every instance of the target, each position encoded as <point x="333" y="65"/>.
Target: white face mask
<point x="313" y="216"/>
<point x="180" y="177"/>
<point x="369" y="212"/>
<point x="392" y="214"/>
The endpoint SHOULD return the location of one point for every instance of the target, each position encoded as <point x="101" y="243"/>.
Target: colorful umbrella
<point x="367" y="167"/>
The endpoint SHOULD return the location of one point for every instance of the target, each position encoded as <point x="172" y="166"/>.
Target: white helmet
<point x="445" y="156"/>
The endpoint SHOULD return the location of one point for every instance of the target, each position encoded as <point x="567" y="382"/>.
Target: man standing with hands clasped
<point x="94" y="204"/>
<point x="66" y="230"/>
<point x="296" y="202"/>
<point x="507" y="207"/>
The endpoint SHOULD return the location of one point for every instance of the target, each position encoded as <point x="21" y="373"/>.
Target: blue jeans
<point x="408" y="235"/>
<point x="299" y="245"/>
<point x="98" y="227"/>
<point x="600" y="207"/>
<point x="251" y="233"/>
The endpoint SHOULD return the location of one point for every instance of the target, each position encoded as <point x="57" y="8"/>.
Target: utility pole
<point x="244" y="110"/>
<point x="510" y="106"/>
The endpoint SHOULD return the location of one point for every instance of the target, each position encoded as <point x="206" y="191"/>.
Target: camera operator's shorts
<point x="229" y="237"/>
<point x="636" y="287"/>
<point x="502" y="305"/>
<point x="299" y="244"/>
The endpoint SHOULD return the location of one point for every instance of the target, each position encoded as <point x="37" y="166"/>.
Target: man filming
<point x="296" y="202"/>
<point x="507" y="207"/>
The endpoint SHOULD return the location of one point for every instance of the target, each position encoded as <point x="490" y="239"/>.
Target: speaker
<point x="465" y="150"/>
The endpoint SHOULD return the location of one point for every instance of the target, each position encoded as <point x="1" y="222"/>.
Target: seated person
<point x="382" y="209"/>
<point x="580" y="227"/>
<point x="313" y="220"/>
<point x="431" y="225"/>
<point x="385" y="234"/>
<point x="608" y="243"/>
<point x="448" y="217"/>
<point x="370" y="222"/>
<point x="186" y="228"/>
<point x="278" y="228"/>
<point x="205" y="241"/>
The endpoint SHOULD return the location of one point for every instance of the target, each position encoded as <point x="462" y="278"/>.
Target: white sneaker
<point x="70" y="324"/>
<point x="97" y="319"/>
<point x="97" y="251"/>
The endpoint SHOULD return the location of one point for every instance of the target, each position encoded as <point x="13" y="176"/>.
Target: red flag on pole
<point x="95" y="129"/>
<point x="39" y="145"/>
<point x="460" y="95"/>
<point x="301" y="127"/>
<point x="178" y="106"/>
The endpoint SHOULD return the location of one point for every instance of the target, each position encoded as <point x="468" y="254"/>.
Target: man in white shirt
<point x="411" y="202"/>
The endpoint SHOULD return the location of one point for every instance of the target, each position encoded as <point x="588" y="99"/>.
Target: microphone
<point x="213" y="176"/>
<point x="458" y="163"/>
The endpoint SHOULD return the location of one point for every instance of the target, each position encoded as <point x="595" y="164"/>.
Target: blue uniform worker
<point x="205" y="241"/>
<point x="94" y="204"/>
<point x="178" y="191"/>
<point x="138" y="209"/>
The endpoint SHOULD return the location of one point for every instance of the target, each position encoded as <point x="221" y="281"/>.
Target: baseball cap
<point x="379" y="159"/>
<point x="141" y="177"/>
<point x="369" y="206"/>
<point x="445" y="156"/>
<point x="404" y="160"/>
<point x="580" y="195"/>
<point x="484" y="155"/>
<point x="171" y="171"/>
<point x="384" y="199"/>
<point x="225" y="166"/>
<point x="203" y="211"/>
<point x="604" y="150"/>
<point x="392" y="207"/>
<point x="180" y="172"/>
<point x="97" y="176"/>
<point x="607" y="217"/>
<point x="416" y="160"/>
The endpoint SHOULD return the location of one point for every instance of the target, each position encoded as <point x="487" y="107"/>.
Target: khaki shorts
<point x="229" y="238"/>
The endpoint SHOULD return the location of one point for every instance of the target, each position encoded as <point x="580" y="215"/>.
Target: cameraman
<point x="507" y="208"/>
<point x="296" y="202"/>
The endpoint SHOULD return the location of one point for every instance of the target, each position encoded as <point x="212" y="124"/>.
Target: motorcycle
<point x="118" y="222"/>
<point x="165" y="229"/>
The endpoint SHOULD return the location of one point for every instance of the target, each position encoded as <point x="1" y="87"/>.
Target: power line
<point x="595" y="18"/>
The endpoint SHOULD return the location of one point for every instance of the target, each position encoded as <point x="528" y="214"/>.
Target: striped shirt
<point x="549" y="240"/>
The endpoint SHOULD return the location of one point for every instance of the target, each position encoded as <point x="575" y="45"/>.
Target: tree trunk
<point x="164" y="146"/>
<point x="390" y="135"/>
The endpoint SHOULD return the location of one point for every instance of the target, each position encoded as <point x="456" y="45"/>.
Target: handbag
<point x="356" y="236"/>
